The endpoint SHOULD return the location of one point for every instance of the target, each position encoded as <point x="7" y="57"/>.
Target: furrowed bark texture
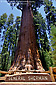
<point x="27" y="51"/>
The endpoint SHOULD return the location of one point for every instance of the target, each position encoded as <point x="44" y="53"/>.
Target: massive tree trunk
<point x="27" y="51"/>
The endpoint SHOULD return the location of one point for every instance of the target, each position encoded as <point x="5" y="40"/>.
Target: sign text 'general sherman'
<point x="28" y="78"/>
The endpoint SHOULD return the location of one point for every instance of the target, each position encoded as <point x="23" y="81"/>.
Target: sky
<point x="6" y="8"/>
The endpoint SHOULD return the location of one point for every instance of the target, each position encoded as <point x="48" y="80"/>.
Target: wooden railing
<point x="52" y="72"/>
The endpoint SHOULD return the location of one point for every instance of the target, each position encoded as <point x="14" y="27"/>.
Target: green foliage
<point x="51" y="21"/>
<point x="3" y="19"/>
<point x="48" y="58"/>
<point x="53" y="43"/>
<point x="42" y="40"/>
<point x="48" y="6"/>
<point x="10" y="41"/>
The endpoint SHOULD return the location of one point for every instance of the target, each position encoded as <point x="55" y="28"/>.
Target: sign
<point x="37" y="77"/>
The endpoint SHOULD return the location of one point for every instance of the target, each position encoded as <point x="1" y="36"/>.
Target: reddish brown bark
<point x="27" y="52"/>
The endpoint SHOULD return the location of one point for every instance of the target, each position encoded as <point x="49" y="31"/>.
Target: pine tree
<point x="17" y="25"/>
<point x="53" y="43"/>
<point x="41" y="38"/>
<point x="3" y="19"/>
<point x="51" y="24"/>
<point x="8" y="50"/>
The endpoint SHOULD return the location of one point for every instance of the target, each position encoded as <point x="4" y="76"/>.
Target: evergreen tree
<point x="51" y="24"/>
<point x="8" y="50"/>
<point x="42" y="39"/>
<point x="3" y="20"/>
<point x="17" y="25"/>
<point x="53" y="43"/>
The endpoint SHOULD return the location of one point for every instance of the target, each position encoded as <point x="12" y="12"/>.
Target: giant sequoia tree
<point x="27" y="50"/>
